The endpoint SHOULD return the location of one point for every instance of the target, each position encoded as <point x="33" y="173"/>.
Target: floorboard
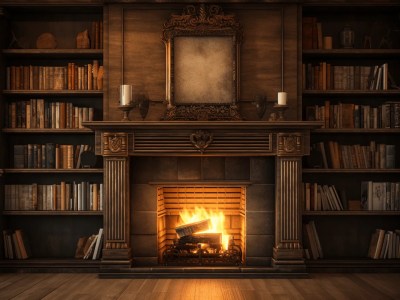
<point x="89" y="286"/>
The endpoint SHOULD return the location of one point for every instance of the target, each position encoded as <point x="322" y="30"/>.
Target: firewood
<point x="202" y="238"/>
<point x="188" y="229"/>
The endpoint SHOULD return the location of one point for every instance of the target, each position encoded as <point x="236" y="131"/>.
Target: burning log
<point x="189" y="229"/>
<point x="202" y="238"/>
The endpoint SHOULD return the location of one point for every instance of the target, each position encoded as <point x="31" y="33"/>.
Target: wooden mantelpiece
<point x="287" y="141"/>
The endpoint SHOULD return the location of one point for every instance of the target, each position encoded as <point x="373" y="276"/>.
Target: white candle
<point x="125" y="92"/>
<point x="282" y="98"/>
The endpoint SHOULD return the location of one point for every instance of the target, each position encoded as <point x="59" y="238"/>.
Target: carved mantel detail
<point x="201" y="139"/>
<point x="289" y="144"/>
<point x="115" y="144"/>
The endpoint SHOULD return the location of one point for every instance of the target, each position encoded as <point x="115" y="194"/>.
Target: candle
<point x="125" y="92"/>
<point x="282" y="98"/>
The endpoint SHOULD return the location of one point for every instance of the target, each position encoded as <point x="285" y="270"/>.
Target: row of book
<point x="89" y="247"/>
<point x="312" y="244"/>
<point x="69" y="196"/>
<point x="311" y="33"/>
<point x="70" y="77"/>
<point x="341" y="156"/>
<point x="96" y="35"/>
<point x="323" y="197"/>
<point x="380" y="195"/>
<point x="325" y="76"/>
<point x="351" y="115"/>
<point x="16" y="245"/>
<point x="36" y="113"/>
<point x="384" y="244"/>
<point x="49" y="156"/>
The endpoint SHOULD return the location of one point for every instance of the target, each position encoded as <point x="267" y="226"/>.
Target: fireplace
<point x="146" y="162"/>
<point x="201" y="225"/>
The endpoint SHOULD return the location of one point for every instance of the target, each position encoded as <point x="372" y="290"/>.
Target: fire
<point x="217" y="219"/>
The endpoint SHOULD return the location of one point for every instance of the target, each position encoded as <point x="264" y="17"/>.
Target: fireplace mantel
<point x="287" y="141"/>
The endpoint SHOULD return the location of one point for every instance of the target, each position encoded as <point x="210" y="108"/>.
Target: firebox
<point x="201" y="225"/>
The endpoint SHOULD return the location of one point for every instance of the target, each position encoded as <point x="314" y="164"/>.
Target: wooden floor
<point x="89" y="286"/>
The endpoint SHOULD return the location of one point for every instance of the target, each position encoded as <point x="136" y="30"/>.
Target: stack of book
<point x="89" y="247"/>
<point x="384" y="244"/>
<point x="323" y="197"/>
<point x="16" y="245"/>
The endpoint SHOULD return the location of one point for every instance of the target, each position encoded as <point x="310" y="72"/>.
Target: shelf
<point x="357" y="130"/>
<point x="351" y="213"/>
<point x="351" y="53"/>
<point x="351" y="92"/>
<point x="54" y="53"/>
<point x="60" y="171"/>
<point x="330" y="171"/>
<point x="69" y="93"/>
<point x="353" y="265"/>
<point x="47" y="130"/>
<point x="57" y="265"/>
<point x="52" y="213"/>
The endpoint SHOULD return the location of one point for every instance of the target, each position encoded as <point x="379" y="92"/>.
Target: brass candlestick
<point x="279" y="115"/>
<point x="125" y="100"/>
<point x="126" y="110"/>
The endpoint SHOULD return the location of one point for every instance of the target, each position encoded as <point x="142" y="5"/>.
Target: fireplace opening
<point x="201" y="225"/>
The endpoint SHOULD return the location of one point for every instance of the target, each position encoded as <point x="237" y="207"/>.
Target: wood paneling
<point x="137" y="54"/>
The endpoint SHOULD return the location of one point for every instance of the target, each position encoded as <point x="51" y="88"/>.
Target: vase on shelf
<point x="347" y="37"/>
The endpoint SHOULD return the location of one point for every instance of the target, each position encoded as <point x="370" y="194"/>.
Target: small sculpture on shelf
<point x="82" y="40"/>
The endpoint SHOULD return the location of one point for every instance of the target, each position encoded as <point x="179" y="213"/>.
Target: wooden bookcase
<point x="52" y="233"/>
<point x="345" y="234"/>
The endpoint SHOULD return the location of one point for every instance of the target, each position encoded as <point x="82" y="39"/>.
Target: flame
<point x="217" y="219"/>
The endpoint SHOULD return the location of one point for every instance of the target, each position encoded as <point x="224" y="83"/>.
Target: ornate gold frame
<point x="195" y="29"/>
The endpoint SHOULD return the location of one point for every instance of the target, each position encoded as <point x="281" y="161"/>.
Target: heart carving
<point x="201" y="140"/>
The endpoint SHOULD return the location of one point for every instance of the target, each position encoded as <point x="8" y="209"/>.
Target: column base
<point x="116" y="258"/>
<point x="290" y="260"/>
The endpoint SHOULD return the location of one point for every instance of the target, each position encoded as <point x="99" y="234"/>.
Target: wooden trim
<point x="352" y="213"/>
<point x="51" y="213"/>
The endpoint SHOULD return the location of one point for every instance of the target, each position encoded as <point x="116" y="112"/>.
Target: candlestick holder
<point x="279" y="114"/>
<point x="125" y="110"/>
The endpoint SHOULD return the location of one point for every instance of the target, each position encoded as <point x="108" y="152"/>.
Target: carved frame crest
<point x="200" y="77"/>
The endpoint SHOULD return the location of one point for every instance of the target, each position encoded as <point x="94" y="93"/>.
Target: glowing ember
<point x="217" y="219"/>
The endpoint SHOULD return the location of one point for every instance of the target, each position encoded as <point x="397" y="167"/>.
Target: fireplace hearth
<point x="143" y="161"/>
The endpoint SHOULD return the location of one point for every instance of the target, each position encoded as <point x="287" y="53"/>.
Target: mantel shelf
<point x="202" y="183"/>
<point x="165" y="125"/>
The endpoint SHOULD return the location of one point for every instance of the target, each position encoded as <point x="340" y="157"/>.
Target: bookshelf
<point x="46" y="95"/>
<point x="342" y="89"/>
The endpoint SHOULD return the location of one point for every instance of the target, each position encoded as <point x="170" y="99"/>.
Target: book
<point x="98" y="246"/>
<point x="89" y="246"/>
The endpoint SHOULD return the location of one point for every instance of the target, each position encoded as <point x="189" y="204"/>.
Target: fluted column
<point x="117" y="200"/>
<point x="288" y="251"/>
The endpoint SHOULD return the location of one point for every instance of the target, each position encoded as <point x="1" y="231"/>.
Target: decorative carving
<point x="289" y="144"/>
<point x="203" y="112"/>
<point x="115" y="144"/>
<point x="202" y="19"/>
<point x="201" y="139"/>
